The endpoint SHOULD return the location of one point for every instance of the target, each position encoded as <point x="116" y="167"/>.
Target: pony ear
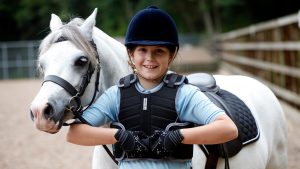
<point x="88" y="25"/>
<point x="55" y="22"/>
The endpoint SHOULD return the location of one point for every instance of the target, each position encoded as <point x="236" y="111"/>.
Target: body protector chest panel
<point x="150" y="112"/>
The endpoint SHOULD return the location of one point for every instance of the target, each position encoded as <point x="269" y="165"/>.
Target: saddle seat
<point x="204" y="81"/>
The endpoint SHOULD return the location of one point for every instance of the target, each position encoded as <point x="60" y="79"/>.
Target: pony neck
<point x="113" y="59"/>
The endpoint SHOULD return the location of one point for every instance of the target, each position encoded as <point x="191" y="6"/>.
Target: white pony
<point x="68" y="53"/>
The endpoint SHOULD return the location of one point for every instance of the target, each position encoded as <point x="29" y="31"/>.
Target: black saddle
<point x="236" y="109"/>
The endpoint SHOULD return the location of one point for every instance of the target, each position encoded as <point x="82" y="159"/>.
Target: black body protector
<point x="150" y="112"/>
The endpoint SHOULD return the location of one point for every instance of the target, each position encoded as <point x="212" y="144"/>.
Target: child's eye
<point x="142" y="49"/>
<point x="160" y="51"/>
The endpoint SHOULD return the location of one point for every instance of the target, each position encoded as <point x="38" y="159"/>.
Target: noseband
<point x="75" y="102"/>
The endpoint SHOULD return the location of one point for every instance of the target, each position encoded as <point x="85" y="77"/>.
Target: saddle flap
<point x="234" y="107"/>
<point x="241" y="115"/>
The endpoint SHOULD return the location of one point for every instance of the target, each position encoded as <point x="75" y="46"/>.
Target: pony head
<point x="69" y="55"/>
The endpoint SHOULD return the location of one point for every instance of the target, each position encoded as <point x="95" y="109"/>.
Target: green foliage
<point x="228" y="3"/>
<point x="29" y="19"/>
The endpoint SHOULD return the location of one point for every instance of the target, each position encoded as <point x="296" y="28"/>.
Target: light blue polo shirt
<point x="191" y="105"/>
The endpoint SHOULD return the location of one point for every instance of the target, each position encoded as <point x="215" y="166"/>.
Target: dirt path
<point x="293" y="118"/>
<point x="21" y="145"/>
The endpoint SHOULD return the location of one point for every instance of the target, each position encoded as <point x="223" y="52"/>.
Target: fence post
<point x="299" y="19"/>
<point x="30" y="59"/>
<point x="4" y="59"/>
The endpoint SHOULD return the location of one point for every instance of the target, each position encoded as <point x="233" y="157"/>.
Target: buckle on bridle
<point x="75" y="104"/>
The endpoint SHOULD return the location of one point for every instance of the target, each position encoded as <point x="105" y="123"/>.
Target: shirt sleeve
<point x="105" y="109"/>
<point x="194" y="106"/>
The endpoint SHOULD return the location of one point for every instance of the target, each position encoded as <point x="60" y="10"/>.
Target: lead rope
<point x="94" y="96"/>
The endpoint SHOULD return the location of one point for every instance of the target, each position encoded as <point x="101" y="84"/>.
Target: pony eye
<point x="81" y="61"/>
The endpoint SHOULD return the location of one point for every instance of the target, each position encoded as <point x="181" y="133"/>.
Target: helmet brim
<point x="150" y="43"/>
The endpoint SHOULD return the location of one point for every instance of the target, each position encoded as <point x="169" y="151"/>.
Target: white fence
<point x="270" y="51"/>
<point x="18" y="59"/>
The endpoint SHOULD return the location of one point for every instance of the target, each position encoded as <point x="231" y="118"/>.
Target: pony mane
<point x="71" y="32"/>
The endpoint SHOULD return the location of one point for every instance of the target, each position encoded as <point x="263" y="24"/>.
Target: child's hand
<point x="131" y="140"/>
<point x="165" y="141"/>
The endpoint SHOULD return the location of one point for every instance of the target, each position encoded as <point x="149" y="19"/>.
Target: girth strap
<point x="212" y="154"/>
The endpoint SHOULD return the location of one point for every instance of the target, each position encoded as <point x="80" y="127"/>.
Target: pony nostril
<point x="48" y="111"/>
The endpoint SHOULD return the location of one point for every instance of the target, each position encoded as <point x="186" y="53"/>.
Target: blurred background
<point x="29" y="19"/>
<point x="257" y="38"/>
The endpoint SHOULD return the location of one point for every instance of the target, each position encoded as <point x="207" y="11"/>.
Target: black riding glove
<point x="164" y="142"/>
<point x="132" y="140"/>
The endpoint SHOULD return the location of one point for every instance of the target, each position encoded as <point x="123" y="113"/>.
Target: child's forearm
<point x="219" y="131"/>
<point x="86" y="135"/>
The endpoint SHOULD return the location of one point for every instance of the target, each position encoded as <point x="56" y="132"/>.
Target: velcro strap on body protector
<point x="127" y="81"/>
<point x="173" y="80"/>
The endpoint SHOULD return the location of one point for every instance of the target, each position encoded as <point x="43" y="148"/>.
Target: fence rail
<point x="269" y="51"/>
<point x="265" y="46"/>
<point x="18" y="59"/>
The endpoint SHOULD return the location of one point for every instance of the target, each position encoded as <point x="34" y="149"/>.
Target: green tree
<point x="29" y="19"/>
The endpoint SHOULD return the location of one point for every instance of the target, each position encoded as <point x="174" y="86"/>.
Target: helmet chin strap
<point x="174" y="55"/>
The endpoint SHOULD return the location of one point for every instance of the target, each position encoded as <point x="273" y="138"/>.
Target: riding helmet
<point x="151" y="26"/>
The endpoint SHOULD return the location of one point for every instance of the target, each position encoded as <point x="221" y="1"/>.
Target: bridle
<point x="75" y="105"/>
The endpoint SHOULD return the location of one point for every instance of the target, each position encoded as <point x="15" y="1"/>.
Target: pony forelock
<point x="71" y="32"/>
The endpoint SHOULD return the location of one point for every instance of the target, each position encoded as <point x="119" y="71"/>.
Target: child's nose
<point x="149" y="56"/>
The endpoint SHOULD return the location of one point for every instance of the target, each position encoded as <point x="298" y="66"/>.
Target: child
<point x="156" y="117"/>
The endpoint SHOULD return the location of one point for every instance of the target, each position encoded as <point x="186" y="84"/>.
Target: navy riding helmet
<point x="152" y="26"/>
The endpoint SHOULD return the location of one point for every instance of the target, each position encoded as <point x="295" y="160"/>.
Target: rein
<point x="75" y="102"/>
